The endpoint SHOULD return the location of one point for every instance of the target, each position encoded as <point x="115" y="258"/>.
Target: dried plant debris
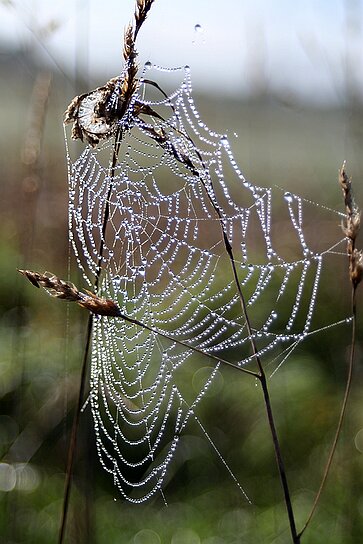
<point x="95" y="114"/>
<point x="351" y="227"/>
<point x="65" y="290"/>
<point x="141" y="11"/>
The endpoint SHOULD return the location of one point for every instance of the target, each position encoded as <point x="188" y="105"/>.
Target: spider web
<point x="171" y="197"/>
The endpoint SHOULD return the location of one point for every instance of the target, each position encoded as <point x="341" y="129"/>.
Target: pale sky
<point x="300" y="47"/>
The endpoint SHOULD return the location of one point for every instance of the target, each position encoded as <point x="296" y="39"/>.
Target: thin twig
<point x="341" y="417"/>
<point x="29" y="190"/>
<point x="262" y="378"/>
<point x="31" y="157"/>
<point x="261" y="373"/>
<point x="73" y="440"/>
<point x="350" y="227"/>
<point x="130" y="54"/>
<point x="74" y="433"/>
<point x="107" y="307"/>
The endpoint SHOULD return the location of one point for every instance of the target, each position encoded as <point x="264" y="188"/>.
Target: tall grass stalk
<point x="350" y="227"/>
<point x="130" y="54"/>
<point x="28" y="194"/>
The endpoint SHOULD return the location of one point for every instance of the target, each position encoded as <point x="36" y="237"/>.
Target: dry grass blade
<point x="350" y="228"/>
<point x="129" y="49"/>
<point x="129" y="43"/>
<point x="61" y="289"/>
<point x="68" y="291"/>
<point x="141" y="11"/>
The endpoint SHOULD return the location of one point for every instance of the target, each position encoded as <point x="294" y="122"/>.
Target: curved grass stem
<point x="341" y="415"/>
<point x="350" y="227"/>
<point x="261" y="375"/>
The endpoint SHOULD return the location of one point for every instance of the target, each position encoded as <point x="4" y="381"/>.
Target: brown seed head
<point x="356" y="267"/>
<point x="58" y="288"/>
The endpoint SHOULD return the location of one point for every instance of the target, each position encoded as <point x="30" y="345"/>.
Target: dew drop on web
<point x="224" y="141"/>
<point x="288" y="197"/>
<point x="198" y="33"/>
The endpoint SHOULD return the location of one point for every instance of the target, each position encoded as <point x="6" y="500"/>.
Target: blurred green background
<point x="281" y="140"/>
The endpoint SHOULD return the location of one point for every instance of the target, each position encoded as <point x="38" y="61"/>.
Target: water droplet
<point x="198" y="29"/>
<point x="224" y="141"/>
<point x="148" y="65"/>
<point x="288" y="197"/>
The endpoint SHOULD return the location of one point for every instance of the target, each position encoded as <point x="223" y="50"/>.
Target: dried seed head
<point x="351" y="225"/>
<point x="141" y="11"/>
<point x="98" y="305"/>
<point x="64" y="290"/>
<point x="356" y="267"/>
<point x="129" y="43"/>
<point x="53" y="285"/>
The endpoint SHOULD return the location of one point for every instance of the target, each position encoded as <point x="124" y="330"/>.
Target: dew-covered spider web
<point x="152" y="209"/>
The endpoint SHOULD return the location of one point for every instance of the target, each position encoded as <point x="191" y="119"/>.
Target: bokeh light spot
<point x="358" y="440"/>
<point x="7" y="477"/>
<point x="147" y="536"/>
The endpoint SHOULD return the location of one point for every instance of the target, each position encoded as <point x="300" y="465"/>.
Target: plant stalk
<point x="76" y="419"/>
<point x="74" y="433"/>
<point x="341" y="415"/>
<point x="262" y="378"/>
